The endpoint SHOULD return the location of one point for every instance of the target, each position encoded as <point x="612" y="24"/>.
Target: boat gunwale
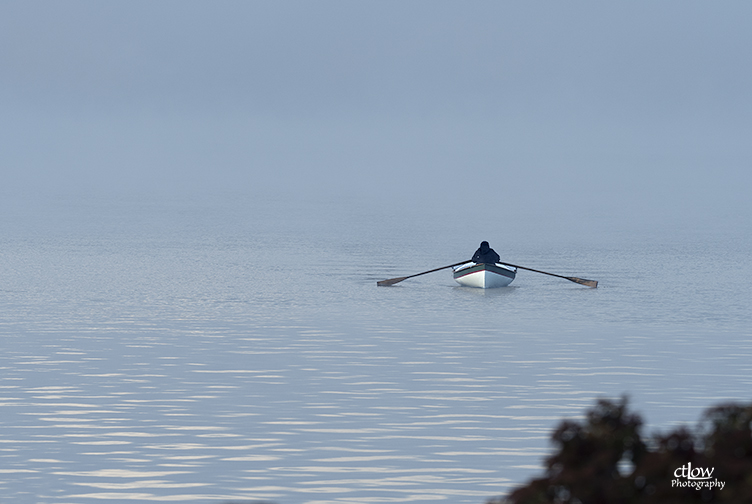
<point x="478" y="267"/>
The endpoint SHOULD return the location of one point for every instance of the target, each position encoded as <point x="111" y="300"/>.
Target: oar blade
<point x="390" y="281"/>
<point x="582" y="281"/>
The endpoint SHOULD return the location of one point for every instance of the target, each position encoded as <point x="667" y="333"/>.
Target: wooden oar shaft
<point x="392" y="281"/>
<point x="437" y="269"/>
<point x="581" y="281"/>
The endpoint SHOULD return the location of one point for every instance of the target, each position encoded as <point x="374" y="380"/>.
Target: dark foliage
<point x="605" y="460"/>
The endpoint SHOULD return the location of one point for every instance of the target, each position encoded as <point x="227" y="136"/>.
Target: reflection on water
<point x="303" y="416"/>
<point x="306" y="415"/>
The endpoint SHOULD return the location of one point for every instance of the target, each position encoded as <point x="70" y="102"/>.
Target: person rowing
<point x="485" y="254"/>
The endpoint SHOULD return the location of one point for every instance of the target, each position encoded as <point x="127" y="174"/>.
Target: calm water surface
<point x="223" y="349"/>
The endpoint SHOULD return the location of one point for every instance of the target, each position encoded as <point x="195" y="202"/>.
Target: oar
<point x="581" y="281"/>
<point x="392" y="281"/>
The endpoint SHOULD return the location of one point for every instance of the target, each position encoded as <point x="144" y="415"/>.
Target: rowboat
<point x="484" y="275"/>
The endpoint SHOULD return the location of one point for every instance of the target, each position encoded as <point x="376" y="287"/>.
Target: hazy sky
<point x="598" y="106"/>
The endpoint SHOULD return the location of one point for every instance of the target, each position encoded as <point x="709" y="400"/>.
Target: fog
<point x="638" y="111"/>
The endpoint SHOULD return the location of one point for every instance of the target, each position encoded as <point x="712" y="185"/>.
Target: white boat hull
<point x="484" y="276"/>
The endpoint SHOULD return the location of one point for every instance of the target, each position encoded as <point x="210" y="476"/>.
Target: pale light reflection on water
<point x="197" y="366"/>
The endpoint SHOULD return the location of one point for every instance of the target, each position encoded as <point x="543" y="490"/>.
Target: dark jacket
<point x="485" y="254"/>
